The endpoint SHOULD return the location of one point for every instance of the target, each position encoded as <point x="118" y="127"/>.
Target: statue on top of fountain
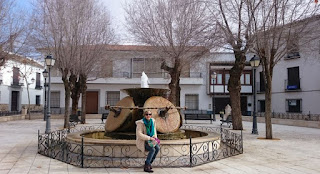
<point x="144" y="80"/>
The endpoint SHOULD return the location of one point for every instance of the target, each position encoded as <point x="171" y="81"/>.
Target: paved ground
<point x="297" y="151"/>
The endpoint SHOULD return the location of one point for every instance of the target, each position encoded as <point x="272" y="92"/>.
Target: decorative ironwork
<point x="54" y="145"/>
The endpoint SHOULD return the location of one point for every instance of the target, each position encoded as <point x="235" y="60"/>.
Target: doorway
<point x="14" y="100"/>
<point x="92" y="102"/>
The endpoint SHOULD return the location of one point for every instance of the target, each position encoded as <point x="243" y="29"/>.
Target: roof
<point x="134" y="48"/>
<point x="21" y="59"/>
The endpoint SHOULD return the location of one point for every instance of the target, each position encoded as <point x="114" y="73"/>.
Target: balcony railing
<point x="293" y="55"/>
<point x="260" y="88"/>
<point x="156" y="75"/>
<point x="290" y="86"/>
<point x="38" y="87"/>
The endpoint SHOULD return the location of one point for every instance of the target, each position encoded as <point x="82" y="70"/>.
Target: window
<point x="293" y="47"/>
<point x="151" y="66"/>
<point x="55" y="99"/>
<point x="38" y="81"/>
<point x="15" y="80"/>
<point x="245" y="78"/>
<point x="293" y="82"/>
<point x="192" y="101"/>
<point x="219" y="79"/>
<point x="261" y="87"/>
<point x="261" y="106"/>
<point x="227" y="79"/>
<point x="38" y="100"/>
<point x="294" y="105"/>
<point x="112" y="97"/>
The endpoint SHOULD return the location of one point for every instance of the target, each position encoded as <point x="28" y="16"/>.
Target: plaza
<point x="294" y="150"/>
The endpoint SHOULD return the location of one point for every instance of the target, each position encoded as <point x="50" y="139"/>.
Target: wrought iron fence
<point x="8" y="113"/>
<point x="54" y="145"/>
<point x="293" y="116"/>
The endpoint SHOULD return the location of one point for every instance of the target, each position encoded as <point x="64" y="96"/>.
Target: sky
<point x="116" y="12"/>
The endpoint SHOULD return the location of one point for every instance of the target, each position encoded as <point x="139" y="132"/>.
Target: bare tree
<point x="234" y="21"/>
<point x="180" y="29"/>
<point x="13" y="31"/>
<point x="281" y="27"/>
<point x="74" y="32"/>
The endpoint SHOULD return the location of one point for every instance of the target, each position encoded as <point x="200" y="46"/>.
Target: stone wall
<point x="33" y="107"/>
<point x="4" y="107"/>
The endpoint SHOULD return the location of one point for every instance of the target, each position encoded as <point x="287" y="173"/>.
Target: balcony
<point x="260" y="87"/>
<point x="15" y="83"/>
<point x="165" y="75"/>
<point x="38" y="87"/>
<point x="292" y="85"/>
<point x="292" y="55"/>
<point x="223" y="89"/>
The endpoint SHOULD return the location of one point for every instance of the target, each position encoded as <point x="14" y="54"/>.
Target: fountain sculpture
<point x="120" y="126"/>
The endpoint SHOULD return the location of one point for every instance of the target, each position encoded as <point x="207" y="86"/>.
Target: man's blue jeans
<point x="153" y="151"/>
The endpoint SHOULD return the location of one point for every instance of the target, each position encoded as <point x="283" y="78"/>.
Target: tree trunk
<point x="75" y="93"/>
<point x="174" y="84"/>
<point x="234" y="88"/>
<point x="67" y="99"/>
<point x="83" y="83"/>
<point x="268" y="110"/>
<point x="28" y="111"/>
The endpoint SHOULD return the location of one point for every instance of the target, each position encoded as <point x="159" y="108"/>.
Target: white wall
<point x="7" y="76"/>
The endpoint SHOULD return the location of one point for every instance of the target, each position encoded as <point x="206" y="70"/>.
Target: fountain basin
<point x="99" y="146"/>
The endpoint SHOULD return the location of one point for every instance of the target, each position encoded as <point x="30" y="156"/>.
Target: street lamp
<point x="213" y="77"/>
<point x="49" y="62"/>
<point x="45" y="75"/>
<point x="254" y="62"/>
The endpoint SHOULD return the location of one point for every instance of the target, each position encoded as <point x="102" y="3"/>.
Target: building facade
<point x="18" y="73"/>
<point x="295" y="83"/>
<point x="123" y="67"/>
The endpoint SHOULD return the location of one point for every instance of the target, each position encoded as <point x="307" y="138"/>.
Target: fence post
<point x="241" y="142"/>
<point x="190" y="152"/>
<point x="38" y="141"/>
<point x="309" y="115"/>
<point x="81" y="151"/>
<point x="221" y="131"/>
<point x="48" y="145"/>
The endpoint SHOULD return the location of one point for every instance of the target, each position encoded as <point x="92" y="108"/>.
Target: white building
<point x="13" y="86"/>
<point x="296" y="82"/>
<point x="124" y="71"/>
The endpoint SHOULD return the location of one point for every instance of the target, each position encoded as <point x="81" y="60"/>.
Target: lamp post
<point x="213" y="77"/>
<point x="254" y="62"/>
<point x="49" y="62"/>
<point x="45" y="75"/>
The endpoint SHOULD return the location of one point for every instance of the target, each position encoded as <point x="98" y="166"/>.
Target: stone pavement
<point x="297" y="151"/>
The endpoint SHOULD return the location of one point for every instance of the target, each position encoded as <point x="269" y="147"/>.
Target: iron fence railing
<point x="293" y="116"/>
<point x="54" y="145"/>
<point x="8" y="113"/>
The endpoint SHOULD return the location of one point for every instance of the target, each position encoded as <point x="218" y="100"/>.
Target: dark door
<point x="262" y="106"/>
<point x="92" y="102"/>
<point x="221" y="103"/>
<point x="14" y="100"/>
<point x="293" y="78"/>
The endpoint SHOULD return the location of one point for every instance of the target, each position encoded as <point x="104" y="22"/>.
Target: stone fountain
<point x="120" y="126"/>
